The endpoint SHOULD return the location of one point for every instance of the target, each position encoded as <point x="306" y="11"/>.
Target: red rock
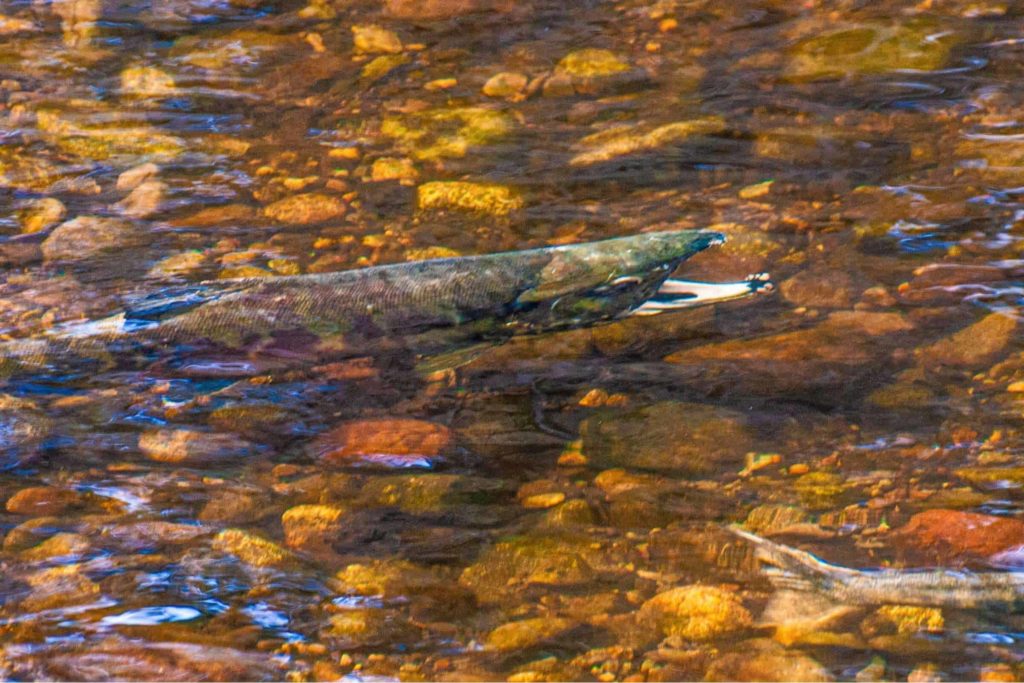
<point x="951" y="534"/>
<point x="385" y="439"/>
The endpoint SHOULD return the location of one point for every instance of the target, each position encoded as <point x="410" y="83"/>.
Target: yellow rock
<point x="526" y="633"/>
<point x="544" y="500"/>
<point x="696" y="612"/>
<point x="624" y="140"/>
<point x="373" y="39"/>
<point x="243" y="272"/>
<point x="441" y="84"/>
<point x="447" y="133"/>
<point x="59" y="586"/>
<point x="496" y="200"/>
<point x="505" y="84"/>
<point x="253" y="550"/>
<point x="425" y="253"/>
<point x="381" y="66"/>
<point x="391" y="168"/>
<point x="311" y="525"/>
<point x="147" y="81"/>
<point x="591" y="62"/>
<point x="41" y="214"/>
<point x="910" y="619"/>
<point x="306" y="209"/>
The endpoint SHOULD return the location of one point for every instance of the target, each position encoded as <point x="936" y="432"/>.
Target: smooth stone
<point x="41" y="214"/>
<point x="687" y="437"/>
<point x="186" y="446"/>
<point x="306" y="209"/>
<point x="86" y="236"/>
<point x="384" y="440"/>
<point x="696" y="612"/>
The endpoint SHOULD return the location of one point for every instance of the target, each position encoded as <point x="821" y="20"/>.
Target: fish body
<point x="793" y="569"/>
<point x="424" y="307"/>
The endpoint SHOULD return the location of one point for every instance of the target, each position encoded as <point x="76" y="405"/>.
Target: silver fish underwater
<point x="424" y="308"/>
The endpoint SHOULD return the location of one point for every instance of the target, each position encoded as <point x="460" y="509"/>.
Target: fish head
<point x="585" y="284"/>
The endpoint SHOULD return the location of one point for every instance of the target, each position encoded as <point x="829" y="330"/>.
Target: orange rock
<point x="383" y="439"/>
<point x="41" y="501"/>
<point x="960" y="534"/>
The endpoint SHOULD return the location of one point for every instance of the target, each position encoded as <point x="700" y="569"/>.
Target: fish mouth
<point x="675" y="295"/>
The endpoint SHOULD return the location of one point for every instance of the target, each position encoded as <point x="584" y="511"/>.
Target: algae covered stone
<point x="311" y="526"/>
<point x="41" y="214"/>
<point x="687" y="437"/>
<point x="524" y="561"/>
<point x="696" y="612"/>
<point x="593" y="71"/>
<point x="447" y="133"/>
<point x="495" y="200"/>
<point x="870" y="48"/>
<point x="373" y="39"/>
<point x="253" y="550"/>
<point x="147" y="81"/>
<point x="626" y="140"/>
<point x="525" y="634"/>
<point x="306" y="209"/>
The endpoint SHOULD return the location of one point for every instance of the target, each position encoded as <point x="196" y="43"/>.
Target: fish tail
<point x="48" y="354"/>
<point x="791" y="568"/>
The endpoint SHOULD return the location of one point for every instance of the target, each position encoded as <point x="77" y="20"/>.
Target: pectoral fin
<point x="427" y="365"/>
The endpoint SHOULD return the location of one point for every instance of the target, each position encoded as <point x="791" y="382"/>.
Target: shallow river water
<point x="556" y="507"/>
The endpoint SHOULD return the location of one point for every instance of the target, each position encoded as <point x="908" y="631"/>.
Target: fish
<point x="426" y="308"/>
<point x="797" y="570"/>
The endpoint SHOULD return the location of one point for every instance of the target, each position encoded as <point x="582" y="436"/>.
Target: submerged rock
<point x="86" y="236"/>
<point x="147" y="81"/>
<point x="306" y="209"/>
<point x="59" y="587"/>
<point x="447" y="133"/>
<point x="841" y="352"/>
<point x="688" y="437"/>
<point x="384" y="440"/>
<point x="625" y="140"/>
<point x="145" y="200"/>
<point x="434" y="10"/>
<point x="42" y="501"/>
<point x="764" y="662"/>
<point x="370" y="38"/>
<point x="311" y="527"/>
<point x="974" y="346"/>
<point x="844" y="50"/>
<point x="526" y="634"/>
<point x="495" y="200"/>
<point x="505" y="84"/>
<point x="253" y="550"/>
<point x="185" y="446"/>
<point x="525" y="561"/>
<point x="696" y="612"/>
<point x="41" y="214"/>
<point x="594" y="71"/>
<point x="953" y="535"/>
<point x="115" y="660"/>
